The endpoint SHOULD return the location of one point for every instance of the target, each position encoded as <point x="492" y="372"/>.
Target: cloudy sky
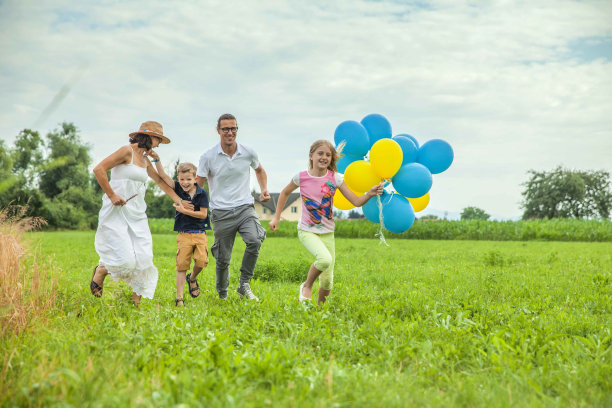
<point x="511" y="85"/>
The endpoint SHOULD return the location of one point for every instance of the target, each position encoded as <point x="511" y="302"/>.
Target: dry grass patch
<point x="27" y="289"/>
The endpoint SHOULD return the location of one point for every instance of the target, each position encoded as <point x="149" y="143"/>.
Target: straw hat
<point x="152" y="128"/>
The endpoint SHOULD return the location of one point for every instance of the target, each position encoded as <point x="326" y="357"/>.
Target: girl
<point x="123" y="239"/>
<point x="316" y="227"/>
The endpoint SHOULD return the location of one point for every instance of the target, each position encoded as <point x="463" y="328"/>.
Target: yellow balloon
<point x="359" y="176"/>
<point x="386" y="157"/>
<point x="419" y="204"/>
<point x="341" y="202"/>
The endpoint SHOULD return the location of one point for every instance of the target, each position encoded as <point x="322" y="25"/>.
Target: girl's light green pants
<point x="323" y="248"/>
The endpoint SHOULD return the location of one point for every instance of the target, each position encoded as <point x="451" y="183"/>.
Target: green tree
<point x="474" y="213"/>
<point x="7" y="178"/>
<point x="563" y="193"/>
<point x="67" y="163"/>
<point x="353" y="215"/>
<point x="27" y="152"/>
<point x="17" y="172"/>
<point x="429" y="217"/>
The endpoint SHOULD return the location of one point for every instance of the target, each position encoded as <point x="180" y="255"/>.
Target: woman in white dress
<point x="123" y="239"/>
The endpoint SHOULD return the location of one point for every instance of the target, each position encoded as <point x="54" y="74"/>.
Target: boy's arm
<point x="160" y="169"/>
<point x="165" y="188"/>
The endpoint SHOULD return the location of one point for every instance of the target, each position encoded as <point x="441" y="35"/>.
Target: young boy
<point x="191" y="225"/>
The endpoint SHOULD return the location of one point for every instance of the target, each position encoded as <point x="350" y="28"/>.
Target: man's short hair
<point x="187" y="168"/>
<point x="225" y="116"/>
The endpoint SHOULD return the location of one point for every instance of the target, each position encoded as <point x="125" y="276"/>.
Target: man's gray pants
<point x="226" y="223"/>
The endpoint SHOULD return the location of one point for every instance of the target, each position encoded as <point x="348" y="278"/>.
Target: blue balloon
<point x="398" y="215"/>
<point x="409" y="149"/>
<point x="412" y="180"/>
<point x="345" y="161"/>
<point x="416" y="142"/>
<point x="370" y="209"/>
<point x="378" y="127"/>
<point x="435" y="154"/>
<point x="356" y="137"/>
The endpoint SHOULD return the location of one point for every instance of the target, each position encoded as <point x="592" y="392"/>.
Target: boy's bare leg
<point x="180" y="284"/>
<point x="192" y="279"/>
<point x="323" y="294"/>
<point x="313" y="274"/>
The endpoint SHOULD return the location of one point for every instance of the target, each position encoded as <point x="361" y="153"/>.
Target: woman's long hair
<point x="144" y="141"/>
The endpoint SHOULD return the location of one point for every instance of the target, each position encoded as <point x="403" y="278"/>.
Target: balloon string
<point x="380" y="234"/>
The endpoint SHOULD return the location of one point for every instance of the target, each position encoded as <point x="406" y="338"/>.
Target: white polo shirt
<point x="228" y="177"/>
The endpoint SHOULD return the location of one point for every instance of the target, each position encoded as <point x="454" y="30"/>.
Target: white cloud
<point x="497" y="80"/>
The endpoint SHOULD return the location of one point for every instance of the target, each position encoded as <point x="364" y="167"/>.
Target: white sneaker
<point x="244" y="289"/>
<point x="302" y="297"/>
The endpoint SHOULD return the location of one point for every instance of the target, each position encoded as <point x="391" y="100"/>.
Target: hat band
<point x="151" y="131"/>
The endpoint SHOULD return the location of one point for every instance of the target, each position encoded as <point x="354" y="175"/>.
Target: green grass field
<point x="419" y="323"/>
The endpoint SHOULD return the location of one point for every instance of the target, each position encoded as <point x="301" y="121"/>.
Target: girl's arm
<point x="282" y="199"/>
<point x="162" y="184"/>
<point x="160" y="169"/>
<point x="121" y="156"/>
<point x="361" y="200"/>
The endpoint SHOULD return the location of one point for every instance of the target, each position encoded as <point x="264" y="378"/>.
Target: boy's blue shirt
<point x="184" y="222"/>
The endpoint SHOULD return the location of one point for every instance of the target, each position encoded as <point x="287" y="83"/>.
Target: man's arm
<point x="200" y="181"/>
<point x="262" y="179"/>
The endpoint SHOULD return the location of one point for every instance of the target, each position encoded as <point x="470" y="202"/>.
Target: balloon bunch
<point x="372" y="155"/>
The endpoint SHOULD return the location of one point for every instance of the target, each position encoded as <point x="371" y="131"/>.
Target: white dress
<point x="123" y="239"/>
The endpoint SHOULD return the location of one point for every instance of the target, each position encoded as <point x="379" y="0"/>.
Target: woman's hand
<point x="116" y="199"/>
<point x="179" y="207"/>
<point x="188" y="205"/>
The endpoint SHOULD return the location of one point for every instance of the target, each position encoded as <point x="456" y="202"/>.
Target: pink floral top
<point x="317" y="201"/>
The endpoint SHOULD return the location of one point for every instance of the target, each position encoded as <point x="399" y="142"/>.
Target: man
<point x="226" y="166"/>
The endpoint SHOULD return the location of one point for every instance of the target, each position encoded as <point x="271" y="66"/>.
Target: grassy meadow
<point x="417" y="323"/>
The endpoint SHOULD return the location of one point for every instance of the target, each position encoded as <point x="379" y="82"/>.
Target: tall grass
<point x="477" y="230"/>
<point x="28" y="290"/>
<point x="419" y="323"/>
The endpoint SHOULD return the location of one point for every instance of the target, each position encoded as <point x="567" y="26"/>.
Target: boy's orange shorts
<point x="191" y="245"/>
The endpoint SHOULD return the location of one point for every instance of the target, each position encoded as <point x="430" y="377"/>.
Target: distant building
<point x="291" y="212"/>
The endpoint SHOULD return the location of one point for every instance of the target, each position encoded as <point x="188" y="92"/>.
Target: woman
<point x="123" y="239"/>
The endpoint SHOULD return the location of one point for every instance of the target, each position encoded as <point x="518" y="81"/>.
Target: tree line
<point x="51" y="175"/>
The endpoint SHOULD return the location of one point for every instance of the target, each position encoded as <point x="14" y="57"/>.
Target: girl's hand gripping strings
<point x="376" y="190"/>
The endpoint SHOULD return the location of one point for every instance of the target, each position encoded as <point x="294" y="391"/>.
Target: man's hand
<point x="264" y="196"/>
<point x="273" y="225"/>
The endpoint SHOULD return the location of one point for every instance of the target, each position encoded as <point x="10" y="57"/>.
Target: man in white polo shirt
<point x="227" y="168"/>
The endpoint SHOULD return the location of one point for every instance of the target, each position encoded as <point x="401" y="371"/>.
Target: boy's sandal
<point x="176" y="302"/>
<point x="95" y="289"/>
<point x="189" y="282"/>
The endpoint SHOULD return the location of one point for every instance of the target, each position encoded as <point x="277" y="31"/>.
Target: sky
<point x="510" y="85"/>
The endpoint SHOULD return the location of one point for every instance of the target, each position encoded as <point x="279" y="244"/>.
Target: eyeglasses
<point x="229" y="129"/>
